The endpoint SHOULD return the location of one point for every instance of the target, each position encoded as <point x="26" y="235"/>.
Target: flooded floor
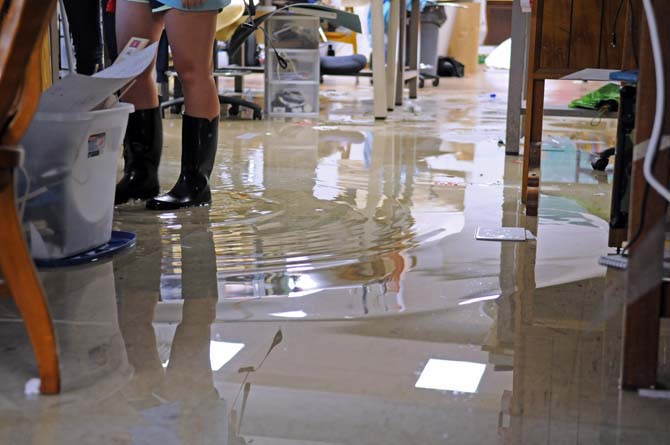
<point x="334" y="293"/>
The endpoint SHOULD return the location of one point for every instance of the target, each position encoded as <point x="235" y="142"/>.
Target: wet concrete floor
<point x="334" y="293"/>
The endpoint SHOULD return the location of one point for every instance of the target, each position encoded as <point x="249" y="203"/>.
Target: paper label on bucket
<point x="96" y="144"/>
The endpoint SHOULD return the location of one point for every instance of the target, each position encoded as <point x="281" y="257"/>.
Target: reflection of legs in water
<point x="189" y="366"/>
<point x="189" y="381"/>
<point x="183" y="395"/>
<point x="138" y="288"/>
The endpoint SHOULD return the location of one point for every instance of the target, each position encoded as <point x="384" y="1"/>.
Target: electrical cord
<point x="654" y="141"/>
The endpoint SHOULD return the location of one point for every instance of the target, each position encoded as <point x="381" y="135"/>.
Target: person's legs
<point x="144" y="135"/>
<point x="191" y="36"/>
<point x="84" y="18"/>
<point x="136" y="20"/>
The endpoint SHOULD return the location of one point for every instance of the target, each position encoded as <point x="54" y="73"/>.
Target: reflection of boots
<point x="142" y="149"/>
<point x="199" y="140"/>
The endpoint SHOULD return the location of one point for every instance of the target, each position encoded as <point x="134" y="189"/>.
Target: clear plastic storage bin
<point x="292" y="91"/>
<point x="71" y="162"/>
<point x="293" y="31"/>
<point x="293" y="100"/>
<point x="300" y="66"/>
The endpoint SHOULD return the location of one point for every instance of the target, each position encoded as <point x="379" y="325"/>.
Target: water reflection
<point x="368" y="229"/>
<point x="173" y="362"/>
<point x="562" y="338"/>
<point x="302" y="211"/>
<point x="334" y="223"/>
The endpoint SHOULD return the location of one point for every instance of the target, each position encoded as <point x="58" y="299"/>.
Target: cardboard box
<point x="464" y="44"/>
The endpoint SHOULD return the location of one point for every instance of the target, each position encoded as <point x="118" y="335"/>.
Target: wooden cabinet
<point x="498" y="21"/>
<point x="567" y="36"/>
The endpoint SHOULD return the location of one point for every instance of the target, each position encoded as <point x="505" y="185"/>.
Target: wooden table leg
<point x="413" y="50"/>
<point x="517" y="77"/>
<point x="392" y="54"/>
<point x="402" y="48"/>
<point x="533" y="146"/>
<point x="25" y="287"/>
<point x="378" y="62"/>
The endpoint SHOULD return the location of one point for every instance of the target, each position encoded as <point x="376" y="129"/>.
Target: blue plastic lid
<point x="119" y="241"/>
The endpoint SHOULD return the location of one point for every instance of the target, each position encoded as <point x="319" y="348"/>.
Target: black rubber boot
<point x="142" y="148"/>
<point x="199" y="140"/>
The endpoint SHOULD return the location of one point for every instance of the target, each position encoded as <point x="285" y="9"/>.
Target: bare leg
<point x="137" y="20"/>
<point x="191" y="36"/>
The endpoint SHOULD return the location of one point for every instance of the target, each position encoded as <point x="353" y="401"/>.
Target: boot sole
<point x="139" y="196"/>
<point x="159" y="206"/>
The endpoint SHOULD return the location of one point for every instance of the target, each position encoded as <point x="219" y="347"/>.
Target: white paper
<point x="132" y="65"/>
<point x="134" y="45"/>
<point x="525" y="6"/>
<point x="76" y="93"/>
<point x="590" y="74"/>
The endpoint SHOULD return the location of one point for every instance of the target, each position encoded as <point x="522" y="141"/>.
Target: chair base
<point x="234" y="110"/>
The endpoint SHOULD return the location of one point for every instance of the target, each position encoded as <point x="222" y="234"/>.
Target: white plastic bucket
<point x="71" y="160"/>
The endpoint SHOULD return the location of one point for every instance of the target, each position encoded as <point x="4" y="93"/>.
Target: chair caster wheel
<point x="436" y="82"/>
<point x="258" y="115"/>
<point x="422" y="83"/>
<point x="600" y="164"/>
<point x="234" y="110"/>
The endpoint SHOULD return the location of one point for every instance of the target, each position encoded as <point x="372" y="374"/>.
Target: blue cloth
<point x="208" y="5"/>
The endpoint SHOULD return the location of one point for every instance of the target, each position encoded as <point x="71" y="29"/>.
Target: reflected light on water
<point x="221" y="352"/>
<point x="449" y="375"/>
<point x="478" y="299"/>
<point x="290" y="314"/>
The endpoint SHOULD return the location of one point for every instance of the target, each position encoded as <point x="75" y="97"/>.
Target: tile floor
<point x="335" y="293"/>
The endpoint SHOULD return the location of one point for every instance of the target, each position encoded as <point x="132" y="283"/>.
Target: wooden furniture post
<point x="645" y="266"/>
<point x="565" y="36"/>
<point x="534" y="112"/>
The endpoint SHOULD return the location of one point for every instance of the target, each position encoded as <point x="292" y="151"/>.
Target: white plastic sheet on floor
<point x="500" y="57"/>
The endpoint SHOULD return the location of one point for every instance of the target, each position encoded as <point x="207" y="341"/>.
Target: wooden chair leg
<point x="24" y="285"/>
<point x="533" y="146"/>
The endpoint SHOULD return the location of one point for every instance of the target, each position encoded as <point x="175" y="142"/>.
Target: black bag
<point x="450" y="67"/>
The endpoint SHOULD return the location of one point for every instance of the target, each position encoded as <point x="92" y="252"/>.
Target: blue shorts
<point x="158" y="6"/>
